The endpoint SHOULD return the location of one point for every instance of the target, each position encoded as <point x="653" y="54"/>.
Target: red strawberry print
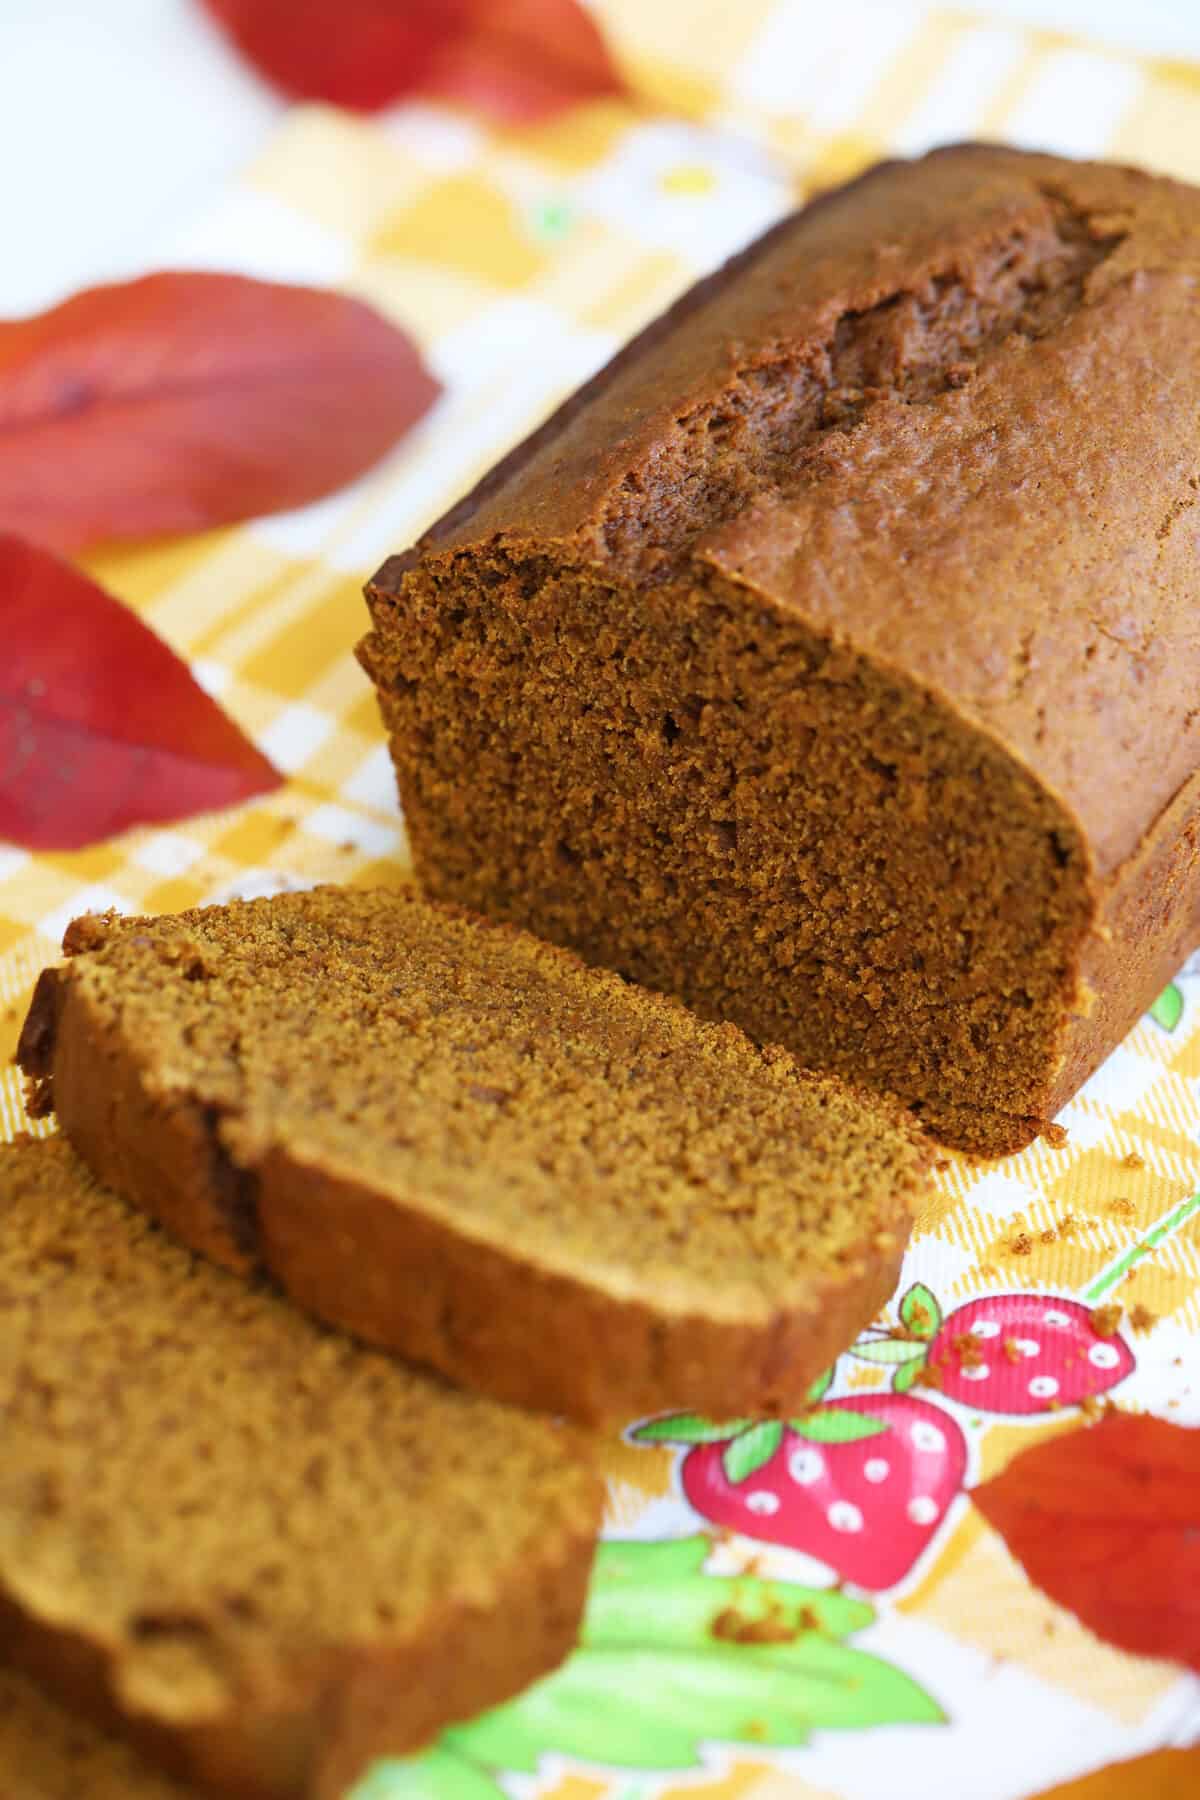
<point x="1026" y="1353"/>
<point x="861" y="1483"/>
<point x="1002" y="1353"/>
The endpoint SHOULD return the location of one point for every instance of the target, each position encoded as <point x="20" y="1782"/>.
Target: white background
<point x="119" y="117"/>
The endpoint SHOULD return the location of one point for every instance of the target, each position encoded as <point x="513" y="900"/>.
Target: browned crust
<point x="159" y="1149"/>
<point x="351" y="1702"/>
<point x="397" y="1277"/>
<point x="1149" y="921"/>
<point x="385" y="582"/>
<point x="386" y="578"/>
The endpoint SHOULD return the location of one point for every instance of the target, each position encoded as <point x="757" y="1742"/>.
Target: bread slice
<point x="462" y="1144"/>
<point x="58" y="1755"/>
<point x="263" y="1552"/>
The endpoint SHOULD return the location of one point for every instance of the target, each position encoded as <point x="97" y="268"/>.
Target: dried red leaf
<point x="1106" y="1520"/>
<point x="523" y="60"/>
<point x="513" y="59"/>
<point x="182" y="401"/>
<point x="102" y="726"/>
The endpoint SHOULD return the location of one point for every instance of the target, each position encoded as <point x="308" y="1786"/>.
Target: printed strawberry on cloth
<point x="800" y="1610"/>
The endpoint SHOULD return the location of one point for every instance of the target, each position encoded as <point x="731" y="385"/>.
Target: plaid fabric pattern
<point x="521" y="260"/>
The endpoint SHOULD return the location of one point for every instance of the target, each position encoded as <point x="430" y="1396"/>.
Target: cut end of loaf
<point x="761" y="821"/>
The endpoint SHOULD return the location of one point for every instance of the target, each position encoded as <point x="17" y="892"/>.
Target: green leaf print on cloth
<point x="1168" y="1008"/>
<point x="670" y="1659"/>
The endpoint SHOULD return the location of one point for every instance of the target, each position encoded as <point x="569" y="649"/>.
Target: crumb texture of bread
<point x="51" y="1753"/>
<point x="462" y="1143"/>
<point x="829" y="660"/>
<point x="260" y="1551"/>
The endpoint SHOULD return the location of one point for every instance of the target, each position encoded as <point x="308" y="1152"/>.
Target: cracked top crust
<point x="946" y="415"/>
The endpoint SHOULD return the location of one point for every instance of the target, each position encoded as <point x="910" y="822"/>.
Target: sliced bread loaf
<point x="464" y="1145"/>
<point x="263" y="1552"/>
<point x="48" y="1752"/>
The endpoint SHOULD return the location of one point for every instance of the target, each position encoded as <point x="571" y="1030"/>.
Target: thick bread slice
<point x="261" y="1551"/>
<point x="50" y="1753"/>
<point x="462" y="1144"/>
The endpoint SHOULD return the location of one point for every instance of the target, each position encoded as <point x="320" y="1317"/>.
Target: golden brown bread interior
<point x="830" y="660"/>
<point x="461" y="1143"/>
<point x="263" y="1552"/>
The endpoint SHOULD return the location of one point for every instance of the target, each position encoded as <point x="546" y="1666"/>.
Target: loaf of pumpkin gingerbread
<point x="830" y="660"/>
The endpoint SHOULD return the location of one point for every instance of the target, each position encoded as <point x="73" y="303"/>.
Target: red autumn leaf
<point x="1106" y="1520"/>
<point x="102" y="726"/>
<point x="182" y="401"/>
<point x="514" y="59"/>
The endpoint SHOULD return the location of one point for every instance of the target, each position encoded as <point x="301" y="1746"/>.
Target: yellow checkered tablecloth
<point x="521" y="260"/>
